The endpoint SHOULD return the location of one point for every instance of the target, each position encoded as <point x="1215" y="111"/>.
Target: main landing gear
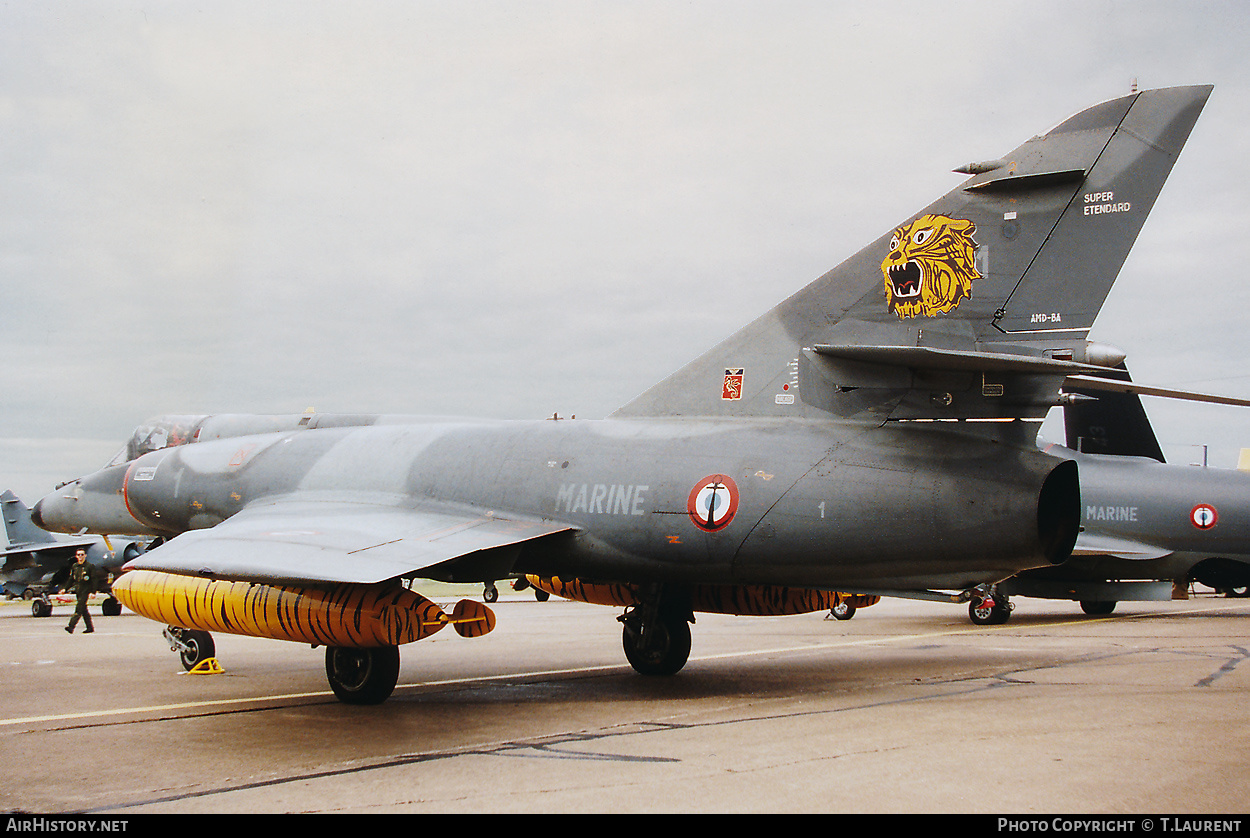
<point x="362" y="676"/>
<point x="357" y="676"/>
<point x="41" y="605"/>
<point x="656" y="634"/>
<point x="989" y="608"/>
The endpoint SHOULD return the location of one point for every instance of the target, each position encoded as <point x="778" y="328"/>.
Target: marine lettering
<point x="596" y="499"/>
<point x="618" y="499"/>
<point x="1111" y="513"/>
<point x="601" y="498"/>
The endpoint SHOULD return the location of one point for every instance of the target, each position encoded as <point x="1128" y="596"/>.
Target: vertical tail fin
<point x="1014" y="263"/>
<point x="17" y="523"/>
<point x="1110" y="423"/>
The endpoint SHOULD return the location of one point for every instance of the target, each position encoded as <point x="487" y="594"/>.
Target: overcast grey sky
<point x="514" y="208"/>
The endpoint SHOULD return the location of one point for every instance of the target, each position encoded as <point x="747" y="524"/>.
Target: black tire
<point x="842" y="611"/>
<point x="40" y="608"/>
<point x="362" y="676"/>
<point x="490" y="594"/>
<point x="199" y="647"/>
<point x="541" y="595"/>
<point x="111" y="607"/>
<point x="667" y="648"/>
<point x="991" y="615"/>
<point x="1098" y="608"/>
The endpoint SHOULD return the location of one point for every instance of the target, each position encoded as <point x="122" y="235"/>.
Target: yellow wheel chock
<point x="208" y="666"/>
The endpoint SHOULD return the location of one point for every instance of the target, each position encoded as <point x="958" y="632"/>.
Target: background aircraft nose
<point x="35" y="514"/>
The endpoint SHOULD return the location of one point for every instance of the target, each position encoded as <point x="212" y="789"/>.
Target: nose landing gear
<point x="192" y="645"/>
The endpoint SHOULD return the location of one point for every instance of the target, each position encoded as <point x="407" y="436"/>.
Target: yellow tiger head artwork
<point x="930" y="267"/>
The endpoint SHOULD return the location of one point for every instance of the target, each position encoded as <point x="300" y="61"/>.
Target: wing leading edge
<point x="313" y="541"/>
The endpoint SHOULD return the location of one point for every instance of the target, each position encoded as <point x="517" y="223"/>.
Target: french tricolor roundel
<point x="713" y="502"/>
<point x="1204" y="516"/>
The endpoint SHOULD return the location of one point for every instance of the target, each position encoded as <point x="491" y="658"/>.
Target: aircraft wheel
<point x="40" y="608"/>
<point x="362" y="676"/>
<point x="541" y="595"/>
<point x="661" y="649"/>
<point x="842" y="611"/>
<point x="1098" y="608"/>
<point x="111" y="607"/>
<point x="491" y="593"/>
<point x="197" y="646"/>
<point x="994" y="614"/>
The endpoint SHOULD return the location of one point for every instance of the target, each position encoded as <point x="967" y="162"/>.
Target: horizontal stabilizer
<point x="923" y="357"/>
<point x="322" y="541"/>
<point x="934" y="383"/>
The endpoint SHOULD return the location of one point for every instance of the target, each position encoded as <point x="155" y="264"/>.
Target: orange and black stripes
<point x="596" y="593"/>
<point x="472" y="619"/>
<point x="771" y="600"/>
<point x="346" y="615"/>
<point x="749" y="600"/>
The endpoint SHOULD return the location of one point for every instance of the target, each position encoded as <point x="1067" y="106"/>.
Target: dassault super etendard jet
<point x="873" y="433"/>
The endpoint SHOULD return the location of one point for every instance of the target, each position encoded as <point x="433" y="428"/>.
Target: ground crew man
<point x="80" y="584"/>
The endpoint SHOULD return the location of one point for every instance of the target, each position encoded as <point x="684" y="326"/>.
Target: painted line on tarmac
<point x="87" y="716"/>
<point x="156" y="708"/>
<point x="234" y="702"/>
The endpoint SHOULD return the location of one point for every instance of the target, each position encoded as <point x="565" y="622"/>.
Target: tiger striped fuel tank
<point x="752" y="600"/>
<point x="359" y="616"/>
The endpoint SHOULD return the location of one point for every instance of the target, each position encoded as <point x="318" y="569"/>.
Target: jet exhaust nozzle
<point x="1059" y="512"/>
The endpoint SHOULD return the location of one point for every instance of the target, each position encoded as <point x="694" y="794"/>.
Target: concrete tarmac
<point x="908" y="707"/>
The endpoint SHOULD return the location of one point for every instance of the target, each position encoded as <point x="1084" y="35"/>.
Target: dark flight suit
<point x="80" y="584"/>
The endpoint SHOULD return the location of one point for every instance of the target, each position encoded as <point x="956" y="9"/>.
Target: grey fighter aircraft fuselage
<point x="875" y="431"/>
<point x="1147" y="521"/>
<point x="34" y="565"/>
<point x="1167" y="507"/>
<point x="800" y="503"/>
